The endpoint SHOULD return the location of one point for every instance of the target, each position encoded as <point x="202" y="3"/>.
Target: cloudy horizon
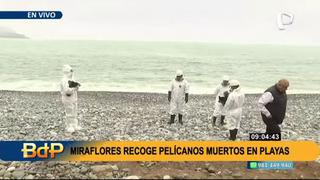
<point x="245" y="21"/>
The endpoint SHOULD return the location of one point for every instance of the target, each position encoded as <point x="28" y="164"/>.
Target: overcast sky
<point x="237" y="21"/>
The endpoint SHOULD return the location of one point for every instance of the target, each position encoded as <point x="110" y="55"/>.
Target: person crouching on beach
<point x="69" y="97"/>
<point x="233" y="109"/>
<point x="273" y="104"/>
<point x="178" y="96"/>
<point x="221" y="93"/>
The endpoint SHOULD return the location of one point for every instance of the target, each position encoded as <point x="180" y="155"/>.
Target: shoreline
<point x="141" y="92"/>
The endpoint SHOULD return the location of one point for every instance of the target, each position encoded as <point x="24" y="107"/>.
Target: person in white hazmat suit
<point x="69" y="97"/>
<point x="233" y="108"/>
<point x="221" y="93"/>
<point x="178" y="96"/>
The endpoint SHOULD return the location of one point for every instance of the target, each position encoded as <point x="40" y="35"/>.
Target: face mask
<point x="69" y="74"/>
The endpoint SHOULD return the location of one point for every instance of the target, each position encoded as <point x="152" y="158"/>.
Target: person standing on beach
<point x="69" y="97"/>
<point x="178" y="96"/>
<point x="273" y="104"/>
<point x="221" y="93"/>
<point x="233" y="109"/>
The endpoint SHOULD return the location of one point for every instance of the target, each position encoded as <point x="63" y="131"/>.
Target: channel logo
<point x="48" y="150"/>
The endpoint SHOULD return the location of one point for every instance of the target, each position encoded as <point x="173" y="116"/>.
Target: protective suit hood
<point x="234" y="83"/>
<point x="179" y="72"/>
<point x="225" y="78"/>
<point x="67" y="71"/>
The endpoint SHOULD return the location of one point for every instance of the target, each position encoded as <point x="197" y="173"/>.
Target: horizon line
<point x="163" y="41"/>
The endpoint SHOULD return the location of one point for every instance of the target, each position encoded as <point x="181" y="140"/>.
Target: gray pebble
<point x="29" y="176"/>
<point x="19" y="174"/>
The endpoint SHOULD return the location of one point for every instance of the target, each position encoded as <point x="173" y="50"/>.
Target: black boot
<point x="230" y="136"/>
<point x="172" y="117"/>
<point x="233" y="134"/>
<point x="214" y="119"/>
<point x="222" y="120"/>
<point x="180" y="119"/>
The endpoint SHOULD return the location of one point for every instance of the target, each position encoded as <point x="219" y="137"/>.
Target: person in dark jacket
<point x="273" y="105"/>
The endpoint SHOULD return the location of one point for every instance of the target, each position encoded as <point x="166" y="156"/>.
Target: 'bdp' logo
<point x="30" y="150"/>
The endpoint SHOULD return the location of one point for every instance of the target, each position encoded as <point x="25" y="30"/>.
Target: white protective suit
<point x="178" y="90"/>
<point x="69" y="98"/>
<point x="218" y="107"/>
<point x="233" y="109"/>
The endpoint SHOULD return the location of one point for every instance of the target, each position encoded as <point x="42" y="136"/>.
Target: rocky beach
<point x="144" y="116"/>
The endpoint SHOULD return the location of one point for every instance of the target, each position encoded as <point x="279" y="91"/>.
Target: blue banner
<point x="30" y="14"/>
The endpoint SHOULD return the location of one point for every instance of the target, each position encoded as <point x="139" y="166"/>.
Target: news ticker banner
<point x="30" y="15"/>
<point x="159" y="150"/>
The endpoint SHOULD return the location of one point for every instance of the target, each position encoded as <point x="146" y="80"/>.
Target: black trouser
<point x="173" y="116"/>
<point x="272" y="125"/>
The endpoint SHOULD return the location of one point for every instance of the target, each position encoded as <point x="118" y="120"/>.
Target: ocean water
<point x="35" y="65"/>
